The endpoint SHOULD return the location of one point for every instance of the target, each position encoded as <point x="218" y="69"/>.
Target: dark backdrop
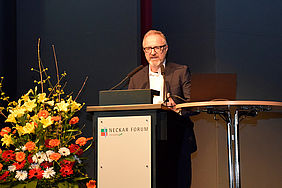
<point x="101" y="39"/>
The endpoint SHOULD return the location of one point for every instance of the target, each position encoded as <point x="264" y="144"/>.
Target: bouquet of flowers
<point x="42" y="139"/>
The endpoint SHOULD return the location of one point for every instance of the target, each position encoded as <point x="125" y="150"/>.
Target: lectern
<point x="130" y="146"/>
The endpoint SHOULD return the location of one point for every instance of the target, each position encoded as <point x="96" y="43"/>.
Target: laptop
<point x="213" y="86"/>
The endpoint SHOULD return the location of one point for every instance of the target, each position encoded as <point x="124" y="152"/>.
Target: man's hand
<point x="171" y="104"/>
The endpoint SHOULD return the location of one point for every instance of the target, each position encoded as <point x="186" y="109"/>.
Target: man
<point x="173" y="82"/>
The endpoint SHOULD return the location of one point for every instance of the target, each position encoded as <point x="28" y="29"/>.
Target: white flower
<point x="12" y="168"/>
<point x="48" y="173"/>
<point x="23" y="148"/>
<point x="48" y="153"/>
<point x="34" y="158"/>
<point x="34" y="166"/>
<point x="78" y="159"/>
<point x="39" y="157"/>
<point x="64" y="151"/>
<point x="21" y="175"/>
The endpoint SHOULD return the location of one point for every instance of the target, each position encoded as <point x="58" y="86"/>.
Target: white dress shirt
<point x="157" y="83"/>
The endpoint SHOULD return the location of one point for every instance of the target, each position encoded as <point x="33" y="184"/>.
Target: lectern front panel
<point x="124" y="152"/>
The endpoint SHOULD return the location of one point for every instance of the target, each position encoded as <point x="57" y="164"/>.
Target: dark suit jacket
<point x="177" y="80"/>
<point x="178" y="83"/>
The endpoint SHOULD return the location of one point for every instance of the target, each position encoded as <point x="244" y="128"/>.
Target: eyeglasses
<point x="158" y="49"/>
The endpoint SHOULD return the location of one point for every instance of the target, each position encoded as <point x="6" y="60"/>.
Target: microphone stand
<point x="164" y="88"/>
<point x="128" y="76"/>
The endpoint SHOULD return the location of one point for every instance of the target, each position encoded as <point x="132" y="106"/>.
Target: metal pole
<point x="230" y="149"/>
<point x="236" y="148"/>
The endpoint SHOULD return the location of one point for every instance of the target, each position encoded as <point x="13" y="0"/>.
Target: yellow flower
<point x="51" y="103"/>
<point x="28" y="128"/>
<point x="19" y="129"/>
<point x="46" y="122"/>
<point x="42" y="97"/>
<point x="18" y="111"/>
<point x="26" y="96"/>
<point x="75" y="106"/>
<point x="62" y="106"/>
<point x="29" y="105"/>
<point x="7" y="139"/>
<point x="11" y="118"/>
<point x="34" y="118"/>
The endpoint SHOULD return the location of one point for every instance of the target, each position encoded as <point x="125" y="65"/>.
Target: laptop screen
<point x="211" y="86"/>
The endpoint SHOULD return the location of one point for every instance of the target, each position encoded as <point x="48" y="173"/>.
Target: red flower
<point x="8" y="155"/>
<point x="20" y="156"/>
<point x="54" y="142"/>
<point x="79" y="152"/>
<point x="74" y="148"/>
<point x="74" y="120"/>
<point x="29" y="158"/>
<point x="47" y="145"/>
<point x="30" y="145"/>
<point x="4" y="175"/>
<point x="20" y="165"/>
<point x="66" y="171"/>
<point x="36" y="172"/>
<point x="82" y="140"/>
<point x="56" y="118"/>
<point x="67" y="163"/>
<point x="91" y="184"/>
<point x="46" y="164"/>
<point x="43" y="113"/>
<point x="5" y="130"/>
<point x="55" y="156"/>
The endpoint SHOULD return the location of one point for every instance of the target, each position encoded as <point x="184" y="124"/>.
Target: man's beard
<point x="155" y="63"/>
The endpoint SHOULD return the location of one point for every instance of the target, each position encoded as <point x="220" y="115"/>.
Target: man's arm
<point x="186" y="83"/>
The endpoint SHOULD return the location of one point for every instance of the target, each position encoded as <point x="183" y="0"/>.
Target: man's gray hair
<point x="155" y="32"/>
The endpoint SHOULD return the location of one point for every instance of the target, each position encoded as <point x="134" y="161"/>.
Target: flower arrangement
<point x="41" y="139"/>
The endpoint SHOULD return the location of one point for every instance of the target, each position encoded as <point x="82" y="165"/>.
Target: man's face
<point x="156" y="49"/>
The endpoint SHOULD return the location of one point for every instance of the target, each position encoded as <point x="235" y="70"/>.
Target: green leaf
<point x="31" y="184"/>
<point x="66" y="184"/>
<point x="80" y="178"/>
<point x="73" y="130"/>
<point x="5" y="185"/>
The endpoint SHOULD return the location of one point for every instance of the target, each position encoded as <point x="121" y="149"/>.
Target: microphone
<point x="162" y="70"/>
<point x="128" y="76"/>
<point x="164" y="88"/>
<point x="135" y="71"/>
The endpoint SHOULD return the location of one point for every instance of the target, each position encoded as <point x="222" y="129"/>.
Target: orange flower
<point x="74" y="120"/>
<point x="43" y="113"/>
<point x="5" y="130"/>
<point x="91" y="184"/>
<point x="35" y="124"/>
<point x="54" y="142"/>
<point x="1" y="166"/>
<point x="30" y="145"/>
<point x="0" y="151"/>
<point x="82" y="140"/>
<point x="56" y="118"/>
<point x="55" y="156"/>
<point x="20" y="156"/>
